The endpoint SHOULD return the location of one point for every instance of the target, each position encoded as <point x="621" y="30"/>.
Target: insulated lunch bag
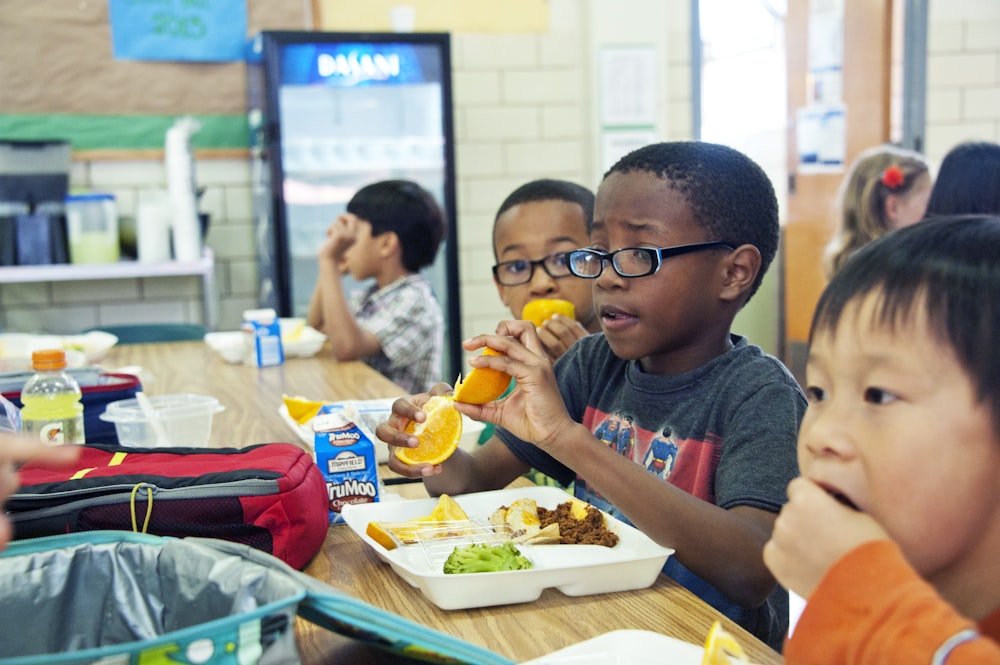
<point x="120" y="598"/>
<point x="270" y="496"/>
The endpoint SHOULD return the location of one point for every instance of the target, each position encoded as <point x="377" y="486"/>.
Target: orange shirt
<point x="871" y="608"/>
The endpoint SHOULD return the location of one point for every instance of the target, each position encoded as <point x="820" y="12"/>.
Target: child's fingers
<point x="20" y="448"/>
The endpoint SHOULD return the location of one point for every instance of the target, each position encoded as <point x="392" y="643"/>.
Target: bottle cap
<point x="48" y="359"/>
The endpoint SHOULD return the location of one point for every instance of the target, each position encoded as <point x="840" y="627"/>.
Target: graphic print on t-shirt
<point x="689" y="464"/>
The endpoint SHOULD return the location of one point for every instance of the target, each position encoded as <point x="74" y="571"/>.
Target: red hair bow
<point x="892" y="177"/>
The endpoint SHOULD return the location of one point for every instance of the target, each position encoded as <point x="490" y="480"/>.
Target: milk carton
<point x="262" y="335"/>
<point x="345" y="454"/>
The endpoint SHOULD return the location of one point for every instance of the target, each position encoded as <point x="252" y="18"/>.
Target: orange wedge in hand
<point x="720" y="645"/>
<point x="483" y="384"/>
<point x="438" y="434"/>
<point x="541" y="310"/>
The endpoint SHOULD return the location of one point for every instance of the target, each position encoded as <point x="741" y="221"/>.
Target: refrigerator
<point x="330" y="112"/>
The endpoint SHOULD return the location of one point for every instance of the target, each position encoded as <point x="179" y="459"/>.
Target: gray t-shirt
<point x="725" y="432"/>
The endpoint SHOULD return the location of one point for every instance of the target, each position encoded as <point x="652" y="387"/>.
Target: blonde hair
<point x="862" y="200"/>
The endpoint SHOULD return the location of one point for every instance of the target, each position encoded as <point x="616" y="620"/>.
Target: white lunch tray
<point x="575" y="570"/>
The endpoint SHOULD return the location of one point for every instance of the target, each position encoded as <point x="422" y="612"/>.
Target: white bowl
<point x="299" y="340"/>
<point x="229" y="345"/>
<point x="186" y="420"/>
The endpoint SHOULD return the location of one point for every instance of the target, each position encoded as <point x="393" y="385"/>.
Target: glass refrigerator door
<point x="335" y="141"/>
<point x="354" y="113"/>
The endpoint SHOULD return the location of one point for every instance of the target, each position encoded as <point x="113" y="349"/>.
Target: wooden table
<point x="521" y="632"/>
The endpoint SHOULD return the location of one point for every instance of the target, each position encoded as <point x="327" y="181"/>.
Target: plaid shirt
<point x="406" y="318"/>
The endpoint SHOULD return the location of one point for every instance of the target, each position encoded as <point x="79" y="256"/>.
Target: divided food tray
<point x="575" y="570"/>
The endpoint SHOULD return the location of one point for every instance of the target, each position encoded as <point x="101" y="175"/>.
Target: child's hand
<point x="14" y="451"/>
<point x="341" y="235"/>
<point x="812" y="532"/>
<point x="393" y="431"/>
<point x="558" y="334"/>
<point x="534" y="411"/>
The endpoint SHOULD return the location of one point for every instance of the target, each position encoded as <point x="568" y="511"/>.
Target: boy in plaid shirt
<point x="391" y="230"/>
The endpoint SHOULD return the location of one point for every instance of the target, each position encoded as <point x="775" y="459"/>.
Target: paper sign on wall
<point x="184" y="30"/>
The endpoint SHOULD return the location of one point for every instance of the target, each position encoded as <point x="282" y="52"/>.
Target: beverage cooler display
<point x="329" y="114"/>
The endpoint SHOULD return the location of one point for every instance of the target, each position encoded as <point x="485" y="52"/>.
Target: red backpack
<point x="269" y="496"/>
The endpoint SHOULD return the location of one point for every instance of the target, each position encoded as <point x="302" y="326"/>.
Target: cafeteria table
<point x="252" y="399"/>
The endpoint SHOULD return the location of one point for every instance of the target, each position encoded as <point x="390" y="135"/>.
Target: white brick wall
<point x="963" y="74"/>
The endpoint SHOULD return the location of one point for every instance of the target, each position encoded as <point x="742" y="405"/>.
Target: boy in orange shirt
<point x="892" y="532"/>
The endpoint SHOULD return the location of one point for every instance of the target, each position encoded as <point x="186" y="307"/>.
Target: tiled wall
<point x="523" y="109"/>
<point x="963" y="74"/>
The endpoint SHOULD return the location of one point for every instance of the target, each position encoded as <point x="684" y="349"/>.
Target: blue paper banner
<point x="185" y="30"/>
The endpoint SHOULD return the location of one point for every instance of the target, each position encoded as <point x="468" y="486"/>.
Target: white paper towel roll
<point x="181" y="188"/>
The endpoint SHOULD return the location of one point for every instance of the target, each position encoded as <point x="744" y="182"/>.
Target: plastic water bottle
<point x="52" y="408"/>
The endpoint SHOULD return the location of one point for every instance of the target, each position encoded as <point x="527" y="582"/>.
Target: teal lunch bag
<point x="137" y="599"/>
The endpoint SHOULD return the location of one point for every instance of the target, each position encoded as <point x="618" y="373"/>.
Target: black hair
<point x="943" y="270"/>
<point x="730" y="196"/>
<point x="406" y="209"/>
<point x="548" y="189"/>
<point x="968" y="182"/>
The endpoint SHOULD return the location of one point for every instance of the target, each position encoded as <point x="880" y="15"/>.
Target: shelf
<point x="69" y="272"/>
<point x="76" y="272"/>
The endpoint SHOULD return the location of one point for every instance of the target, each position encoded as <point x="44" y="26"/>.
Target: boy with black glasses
<point x="668" y="362"/>
<point x="534" y="228"/>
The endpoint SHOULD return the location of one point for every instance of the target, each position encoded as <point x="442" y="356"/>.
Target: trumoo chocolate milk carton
<point x="345" y="454"/>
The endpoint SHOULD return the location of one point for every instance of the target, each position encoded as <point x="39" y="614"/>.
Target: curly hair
<point x="730" y="196"/>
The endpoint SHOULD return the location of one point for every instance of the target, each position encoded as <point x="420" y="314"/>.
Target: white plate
<point x="625" y="647"/>
<point x="81" y="350"/>
<point x="375" y="412"/>
<point x="575" y="570"/>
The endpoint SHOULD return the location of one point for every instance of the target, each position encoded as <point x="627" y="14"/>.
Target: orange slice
<point x="720" y="645"/>
<point x="390" y="534"/>
<point x="448" y="510"/>
<point x="438" y="434"/>
<point x="301" y="409"/>
<point x="377" y="532"/>
<point x="541" y="310"/>
<point x="483" y="384"/>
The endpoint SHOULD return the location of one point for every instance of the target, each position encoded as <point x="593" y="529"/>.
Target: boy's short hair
<point x="406" y="209"/>
<point x="548" y="189"/>
<point x="944" y="270"/>
<point x="730" y="196"/>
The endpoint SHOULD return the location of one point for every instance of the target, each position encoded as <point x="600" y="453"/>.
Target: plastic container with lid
<point x="186" y="420"/>
<point x="52" y="409"/>
<point x="92" y="228"/>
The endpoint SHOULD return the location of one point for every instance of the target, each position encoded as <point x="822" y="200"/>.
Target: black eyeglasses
<point x="631" y="261"/>
<point x="521" y="271"/>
